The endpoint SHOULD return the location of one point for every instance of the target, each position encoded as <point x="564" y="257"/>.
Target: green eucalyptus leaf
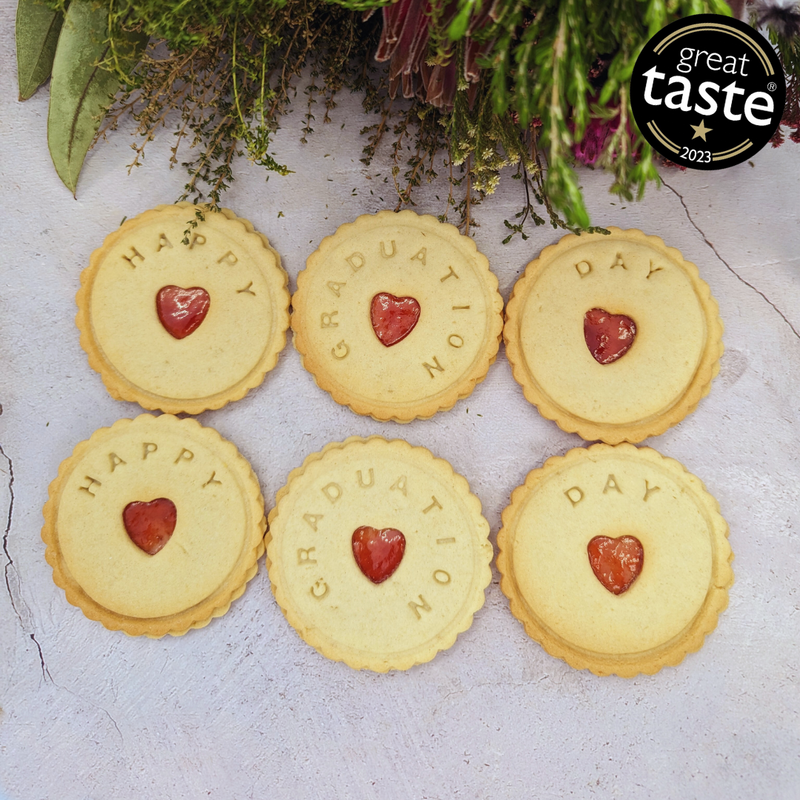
<point x="85" y="79"/>
<point x="37" y="32"/>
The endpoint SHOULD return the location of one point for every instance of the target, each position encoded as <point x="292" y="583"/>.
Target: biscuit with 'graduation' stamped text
<point x="397" y="315"/>
<point x="378" y="553"/>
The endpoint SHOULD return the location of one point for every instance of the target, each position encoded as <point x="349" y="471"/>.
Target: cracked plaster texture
<point x="243" y="708"/>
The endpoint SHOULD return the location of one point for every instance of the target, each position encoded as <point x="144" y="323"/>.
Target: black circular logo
<point x="707" y="91"/>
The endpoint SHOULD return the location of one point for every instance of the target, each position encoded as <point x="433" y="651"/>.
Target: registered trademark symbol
<point x="772" y="86"/>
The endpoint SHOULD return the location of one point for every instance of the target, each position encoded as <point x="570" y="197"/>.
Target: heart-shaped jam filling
<point x="393" y="318"/>
<point x="616" y="563"/>
<point x="150" y="525"/>
<point x="378" y="553"/>
<point x="182" y="311"/>
<point x="608" y="336"/>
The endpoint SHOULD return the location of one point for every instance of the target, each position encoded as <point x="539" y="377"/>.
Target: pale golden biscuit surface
<point x="405" y="255"/>
<point x="210" y="556"/>
<point x="233" y="348"/>
<point x="673" y="358"/>
<point x="439" y="583"/>
<point x="614" y="492"/>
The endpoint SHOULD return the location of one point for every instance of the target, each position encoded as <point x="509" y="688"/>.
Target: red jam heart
<point x="182" y="311"/>
<point x="608" y="336"/>
<point x="393" y="318"/>
<point x="378" y="553"/>
<point x="616" y="563"/>
<point x="150" y="525"/>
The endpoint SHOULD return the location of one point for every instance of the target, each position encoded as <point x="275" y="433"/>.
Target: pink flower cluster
<point x="597" y="133"/>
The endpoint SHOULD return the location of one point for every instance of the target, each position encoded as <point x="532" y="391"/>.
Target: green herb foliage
<point x="228" y="74"/>
<point x="542" y="56"/>
<point x="553" y="73"/>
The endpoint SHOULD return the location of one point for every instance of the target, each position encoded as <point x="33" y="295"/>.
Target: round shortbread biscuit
<point x="406" y="260"/>
<point x="125" y="321"/>
<point x="201" y="565"/>
<point x="573" y="608"/>
<point x="434" y="582"/>
<point x="664" y="373"/>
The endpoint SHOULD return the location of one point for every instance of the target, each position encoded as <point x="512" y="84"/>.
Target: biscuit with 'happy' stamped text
<point x="183" y="326"/>
<point x="154" y="525"/>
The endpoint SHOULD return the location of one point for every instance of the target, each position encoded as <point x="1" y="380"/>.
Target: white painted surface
<point x="245" y="709"/>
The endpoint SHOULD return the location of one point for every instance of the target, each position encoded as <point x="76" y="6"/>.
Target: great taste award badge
<point x="707" y="91"/>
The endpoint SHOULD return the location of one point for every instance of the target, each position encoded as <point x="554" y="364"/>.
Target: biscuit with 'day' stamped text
<point x="615" y="559"/>
<point x="614" y="337"/>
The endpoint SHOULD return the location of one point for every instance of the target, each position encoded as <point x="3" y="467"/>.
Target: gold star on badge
<point x="700" y="130"/>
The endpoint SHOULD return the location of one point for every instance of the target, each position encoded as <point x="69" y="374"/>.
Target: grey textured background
<point x="245" y="709"/>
